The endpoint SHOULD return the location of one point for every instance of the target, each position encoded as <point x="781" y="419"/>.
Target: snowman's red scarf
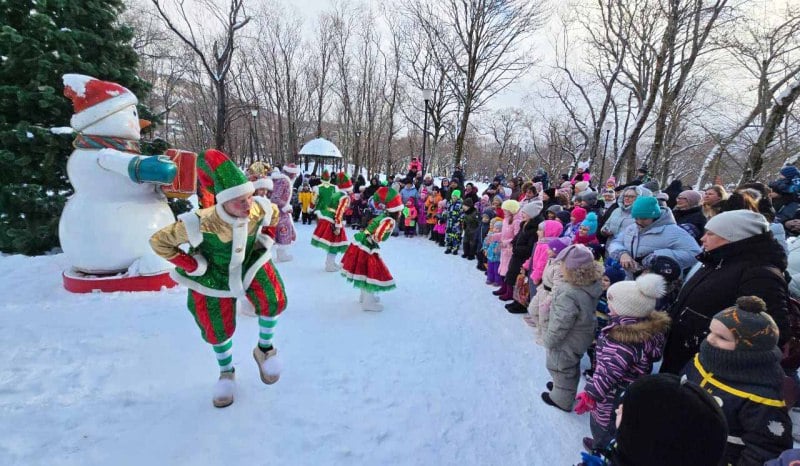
<point x="85" y="141"/>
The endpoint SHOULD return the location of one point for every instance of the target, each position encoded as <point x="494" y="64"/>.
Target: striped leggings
<point x="216" y="317"/>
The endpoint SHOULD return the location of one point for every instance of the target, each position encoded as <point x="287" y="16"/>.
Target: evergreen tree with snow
<point x="40" y="40"/>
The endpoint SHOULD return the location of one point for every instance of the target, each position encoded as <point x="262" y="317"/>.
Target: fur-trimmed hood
<point x="584" y="275"/>
<point x="641" y="330"/>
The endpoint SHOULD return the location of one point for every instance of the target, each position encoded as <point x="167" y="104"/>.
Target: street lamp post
<point x="427" y="95"/>
<point x="202" y="134"/>
<point x="606" y="126"/>
<point x="254" y="137"/>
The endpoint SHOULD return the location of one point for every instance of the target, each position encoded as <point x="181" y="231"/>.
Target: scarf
<point x="754" y="368"/>
<point x="85" y="141"/>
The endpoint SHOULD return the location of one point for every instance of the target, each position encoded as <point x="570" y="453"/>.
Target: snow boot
<point x="509" y="294"/>
<point x="588" y="444"/>
<point x="516" y="308"/>
<point x="282" y="255"/>
<point x="224" y="390"/>
<point x="501" y="291"/>
<point x="371" y="303"/>
<point x="546" y="398"/>
<point x="269" y="366"/>
<point x="330" y="263"/>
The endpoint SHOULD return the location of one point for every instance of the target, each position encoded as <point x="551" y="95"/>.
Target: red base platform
<point x="78" y="282"/>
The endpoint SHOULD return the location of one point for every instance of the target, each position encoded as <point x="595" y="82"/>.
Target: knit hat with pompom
<point x="750" y="324"/>
<point x="636" y="298"/>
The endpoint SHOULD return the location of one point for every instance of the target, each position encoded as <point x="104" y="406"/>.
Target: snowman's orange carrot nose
<point x="144" y="123"/>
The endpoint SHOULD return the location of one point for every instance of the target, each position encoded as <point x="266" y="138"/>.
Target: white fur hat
<point x="636" y="298"/>
<point x="583" y="165"/>
<point x="263" y="183"/>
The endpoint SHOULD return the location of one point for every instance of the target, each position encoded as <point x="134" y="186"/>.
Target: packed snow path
<point x="443" y="376"/>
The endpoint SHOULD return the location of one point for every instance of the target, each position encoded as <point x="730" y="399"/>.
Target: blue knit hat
<point x="614" y="271"/>
<point x="790" y="171"/>
<point x="645" y="207"/>
<point x="590" y="222"/>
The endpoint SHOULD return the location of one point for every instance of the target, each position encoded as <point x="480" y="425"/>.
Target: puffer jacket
<point x="661" y="238"/>
<point x="507" y="234"/>
<point x="626" y="351"/>
<point x="552" y="229"/>
<point x="794" y="268"/>
<point x="572" y="323"/>
<point x="752" y="266"/>
<point x="692" y="216"/>
<point x="621" y="216"/>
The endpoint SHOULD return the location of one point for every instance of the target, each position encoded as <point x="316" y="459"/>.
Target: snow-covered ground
<point x="444" y="376"/>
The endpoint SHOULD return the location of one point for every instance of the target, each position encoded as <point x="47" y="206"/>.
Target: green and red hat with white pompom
<point x="389" y="198"/>
<point x="217" y="173"/>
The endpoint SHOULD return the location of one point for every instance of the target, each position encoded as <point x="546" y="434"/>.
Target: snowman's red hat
<point x="93" y="99"/>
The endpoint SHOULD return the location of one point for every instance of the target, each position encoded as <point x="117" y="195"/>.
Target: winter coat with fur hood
<point x="572" y="322"/>
<point x="626" y="351"/>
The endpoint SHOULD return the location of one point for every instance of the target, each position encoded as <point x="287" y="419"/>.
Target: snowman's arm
<point x="156" y="169"/>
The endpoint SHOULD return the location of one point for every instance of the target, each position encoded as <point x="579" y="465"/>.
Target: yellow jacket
<point x="305" y="198"/>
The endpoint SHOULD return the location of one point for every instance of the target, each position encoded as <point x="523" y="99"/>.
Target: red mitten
<point x="269" y="231"/>
<point x="585" y="403"/>
<point x="193" y="265"/>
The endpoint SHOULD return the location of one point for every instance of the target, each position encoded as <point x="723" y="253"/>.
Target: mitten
<point x="287" y="208"/>
<point x="194" y="266"/>
<point x="585" y="403"/>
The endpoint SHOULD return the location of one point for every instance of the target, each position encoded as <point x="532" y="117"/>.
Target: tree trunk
<point x="755" y="160"/>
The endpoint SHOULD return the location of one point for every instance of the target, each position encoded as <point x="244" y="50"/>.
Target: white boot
<point x="224" y="390"/>
<point x="330" y="263"/>
<point x="370" y="302"/>
<point x="282" y="254"/>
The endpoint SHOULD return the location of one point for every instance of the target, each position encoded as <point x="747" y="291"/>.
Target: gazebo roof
<point x="321" y="148"/>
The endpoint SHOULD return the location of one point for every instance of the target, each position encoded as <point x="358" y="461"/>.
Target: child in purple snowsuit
<point x="491" y="244"/>
<point x="626" y="351"/>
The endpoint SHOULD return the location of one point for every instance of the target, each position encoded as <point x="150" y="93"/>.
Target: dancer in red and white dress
<point x="362" y="264"/>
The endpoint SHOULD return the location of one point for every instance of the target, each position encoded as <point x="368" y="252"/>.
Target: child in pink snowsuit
<point x="511" y="222"/>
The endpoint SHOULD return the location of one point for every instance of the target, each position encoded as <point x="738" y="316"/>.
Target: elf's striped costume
<point x="229" y="258"/>
<point x="362" y="264"/>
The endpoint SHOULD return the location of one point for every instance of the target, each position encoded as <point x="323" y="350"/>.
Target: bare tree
<point x="216" y="58"/>
<point x="484" y="40"/>
<point x="770" y="55"/>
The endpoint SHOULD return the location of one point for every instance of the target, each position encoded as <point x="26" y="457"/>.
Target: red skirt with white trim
<point x="366" y="270"/>
<point x="324" y="237"/>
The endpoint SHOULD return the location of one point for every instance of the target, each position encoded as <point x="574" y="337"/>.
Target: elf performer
<point x="282" y="196"/>
<point x="229" y="258"/>
<point x="362" y="264"/>
<point x="330" y="234"/>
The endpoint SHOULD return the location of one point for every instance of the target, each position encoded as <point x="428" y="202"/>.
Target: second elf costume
<point x="330" y="234"/>
<point x="362" y="264"/>
<point x="282" y="196"/>
<point x="229" y="258"/>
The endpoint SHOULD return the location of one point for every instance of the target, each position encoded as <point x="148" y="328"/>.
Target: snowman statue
<point x="118" y="204"/>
